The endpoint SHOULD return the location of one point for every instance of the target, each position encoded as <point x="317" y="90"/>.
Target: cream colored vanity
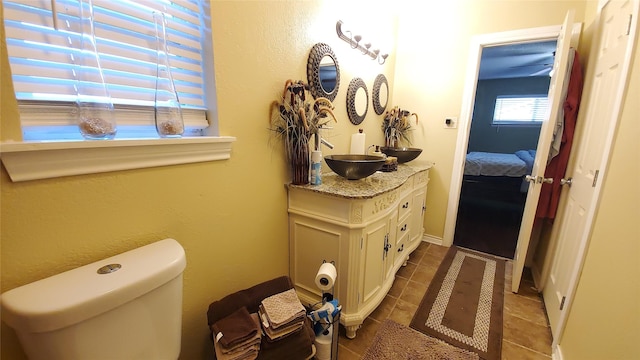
<point x="367" y="227"/>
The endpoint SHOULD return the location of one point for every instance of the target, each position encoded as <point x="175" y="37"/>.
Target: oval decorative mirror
<point x="323" y="72"/>
<point x="357" y="101"/>
<point x="380" y="94"/>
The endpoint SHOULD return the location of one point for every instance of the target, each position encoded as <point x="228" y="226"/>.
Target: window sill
<point x="49" y="159"/>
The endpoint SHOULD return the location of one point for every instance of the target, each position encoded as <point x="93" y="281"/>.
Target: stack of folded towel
<point x="282" y="314"/>
<point x="237" y="336"/>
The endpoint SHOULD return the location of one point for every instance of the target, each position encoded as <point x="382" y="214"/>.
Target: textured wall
<point x="231" y="216"/>
<point x="433" y="55"/>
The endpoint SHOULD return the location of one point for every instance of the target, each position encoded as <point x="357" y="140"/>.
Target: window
<point x="41" y="60"/>
<point x="520" y="109"/>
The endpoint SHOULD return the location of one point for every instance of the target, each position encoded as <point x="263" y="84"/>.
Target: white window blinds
<point x="520" y="109"/>
<point x="41" y="59"/>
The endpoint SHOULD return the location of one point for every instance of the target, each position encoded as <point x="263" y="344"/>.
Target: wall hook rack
<point x="354" y="43"/>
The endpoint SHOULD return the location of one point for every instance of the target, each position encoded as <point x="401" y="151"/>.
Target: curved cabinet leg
<point x="351" y="331"/>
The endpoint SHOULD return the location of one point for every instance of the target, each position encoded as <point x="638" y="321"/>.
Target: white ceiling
<point x="517" y="60"/>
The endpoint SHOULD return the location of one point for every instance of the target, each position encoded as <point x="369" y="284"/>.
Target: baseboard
<point x="556" y="353"/>
<point x="432" y="239"/>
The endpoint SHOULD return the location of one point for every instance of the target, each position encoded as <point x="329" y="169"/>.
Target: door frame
<point x="479" y="42"/>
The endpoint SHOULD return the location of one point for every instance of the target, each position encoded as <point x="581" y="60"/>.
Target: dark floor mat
<point x="488" y="227"/>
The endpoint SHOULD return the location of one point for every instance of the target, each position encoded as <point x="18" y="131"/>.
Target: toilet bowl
<point x="128" y="306"/>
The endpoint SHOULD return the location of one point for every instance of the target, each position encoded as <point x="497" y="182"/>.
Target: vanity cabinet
<point x="367" y="228"/>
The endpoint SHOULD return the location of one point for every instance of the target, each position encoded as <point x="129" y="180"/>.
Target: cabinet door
<point x="417" y="215"/>
<point x="375" y="249"/>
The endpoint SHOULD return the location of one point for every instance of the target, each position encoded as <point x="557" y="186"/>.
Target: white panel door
<point x="560" y="68"/>
<point x="600" y="117"/>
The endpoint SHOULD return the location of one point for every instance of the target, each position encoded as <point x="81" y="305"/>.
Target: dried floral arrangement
<point x="295" y="118"/>
<point x="396" y="125"/>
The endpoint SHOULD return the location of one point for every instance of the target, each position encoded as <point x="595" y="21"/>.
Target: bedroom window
<point x="42" y="65"/>
<point x="520" y="110"/>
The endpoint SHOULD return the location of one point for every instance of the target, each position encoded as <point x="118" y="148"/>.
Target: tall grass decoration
<point x="396" y="125"/>
<point x="295" y="118"/>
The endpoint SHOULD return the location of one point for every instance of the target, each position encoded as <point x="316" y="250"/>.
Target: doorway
<point x="567" y="36"/>
<point x="510" y="100"/>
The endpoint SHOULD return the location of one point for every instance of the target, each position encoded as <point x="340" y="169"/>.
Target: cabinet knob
<point x="401" y="248"/>
<point x="404" y="227"/>
<point x="406" y="205"/>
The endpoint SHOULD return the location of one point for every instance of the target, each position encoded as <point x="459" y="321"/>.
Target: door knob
<point x="530" y="178"/>
<point x="568" y="181"/>
<point x="544" y="180"/>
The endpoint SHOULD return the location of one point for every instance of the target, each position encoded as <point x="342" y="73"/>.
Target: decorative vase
<point x="96" y="118"/>
<point x="391" y="142"/>
<point x="299" y="160"/>
<point x="167" y="110"/>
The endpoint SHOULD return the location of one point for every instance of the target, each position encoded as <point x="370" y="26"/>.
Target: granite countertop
<point x="369" y="187"/>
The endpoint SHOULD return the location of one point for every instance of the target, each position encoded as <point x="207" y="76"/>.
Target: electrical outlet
<point x="451" y="123"/>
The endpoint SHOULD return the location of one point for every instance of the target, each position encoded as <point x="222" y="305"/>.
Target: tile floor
<point x="526" y="334"/>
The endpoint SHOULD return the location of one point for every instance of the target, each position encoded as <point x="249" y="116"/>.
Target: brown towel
<point x="297" y="346"/>
<point x="247" y="350"/>
<point x="283" y="308"/>
<point x="281" y="332"/>
<point x="236" y="328"/>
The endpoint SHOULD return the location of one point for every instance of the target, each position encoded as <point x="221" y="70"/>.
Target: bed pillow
<point x="528" y="156"/>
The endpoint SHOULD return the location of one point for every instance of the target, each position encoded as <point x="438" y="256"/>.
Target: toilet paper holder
<point x="325" y="314"/>
<point x="325" y="278"/>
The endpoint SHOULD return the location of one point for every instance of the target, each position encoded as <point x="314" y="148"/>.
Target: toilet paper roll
<point x="326" y="277"/>
<point x="323" y="344"/>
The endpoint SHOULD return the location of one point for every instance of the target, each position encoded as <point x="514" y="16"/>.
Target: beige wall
<point x="231" y="215"/>
<point x="9" y="130"/>
<point x="604" y="320"/>
<point x="433" y="49"/>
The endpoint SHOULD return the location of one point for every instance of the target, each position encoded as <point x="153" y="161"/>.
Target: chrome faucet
<point x="319" y="140"/>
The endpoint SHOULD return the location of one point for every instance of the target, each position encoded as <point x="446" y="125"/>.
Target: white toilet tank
<point x="128" y="306"/>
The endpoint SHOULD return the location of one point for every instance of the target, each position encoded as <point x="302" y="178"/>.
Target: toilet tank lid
<point x="82" y="293"/>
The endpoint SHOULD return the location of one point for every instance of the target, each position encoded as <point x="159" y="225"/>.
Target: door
<point x="605" y="93"/>
<point x="560" y="68"/>
<point x="478" y="43"/>
<point x="375" y="249"/>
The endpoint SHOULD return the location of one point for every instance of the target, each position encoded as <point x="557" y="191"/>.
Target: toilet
<point x="128" y="306"/>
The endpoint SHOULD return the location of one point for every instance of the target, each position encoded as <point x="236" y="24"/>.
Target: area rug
<point x="398" y="342"/>
<point x="463" y="304"/>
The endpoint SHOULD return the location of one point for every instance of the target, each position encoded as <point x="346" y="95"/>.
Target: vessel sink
<point x="354" y="166"/>
<point x="403" y="154"/>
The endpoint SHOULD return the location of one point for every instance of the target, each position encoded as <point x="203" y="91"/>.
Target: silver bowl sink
<point x="403" y="154"/>
<point x="353" y="166"/>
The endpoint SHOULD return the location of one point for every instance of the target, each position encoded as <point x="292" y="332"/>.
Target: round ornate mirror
<point x="323" y="72"/>
<point x="380" y="94"/>
<point x="357" y="101"/>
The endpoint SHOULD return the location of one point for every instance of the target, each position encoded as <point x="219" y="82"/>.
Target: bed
<point x="517" y="164"/>
<point x="497" y="176"/>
